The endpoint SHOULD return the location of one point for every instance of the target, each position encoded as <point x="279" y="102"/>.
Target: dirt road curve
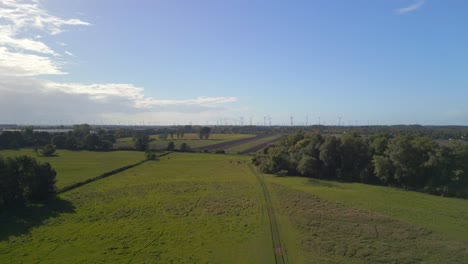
<point x="278" y="247"/>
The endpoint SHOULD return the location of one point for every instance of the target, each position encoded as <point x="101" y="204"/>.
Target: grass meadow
<point x="76" y="166"/>
<point x="333" y="222"/>
<point x="184" y="208"/>
<point x="210" y="208"/>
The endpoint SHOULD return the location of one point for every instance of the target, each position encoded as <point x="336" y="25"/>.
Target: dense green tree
<point x="59" y="140"/>
<point x="184" y="147"/>
<point x="92" y="142"/>
<point x="71" y="143"/>
<point x="309" y="166"/>
<point x="10" y="191"/>
<point x="37" y="180"/>
<point x="204" y="132"/>
<point x="170" y="146"/>
<point x="48" y="150"/>
<point x="81" y="131"/>
<point x="23" y="179"/>
<point x="142" y="142"/>
<point x="330" y="156"/>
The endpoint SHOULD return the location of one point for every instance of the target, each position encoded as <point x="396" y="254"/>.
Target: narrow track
<point x="260" y="146"/>
<point x="278" y="247"/>
<point x="229" y="144"/>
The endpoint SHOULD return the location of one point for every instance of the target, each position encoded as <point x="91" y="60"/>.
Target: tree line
<point x="402" y="160"/>
<point x="80" y="138"/>
<point x="24" y="180"/>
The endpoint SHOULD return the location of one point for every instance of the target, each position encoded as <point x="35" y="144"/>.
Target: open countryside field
<point x="76" y="166"/>
<point x="207" y="208"/>
<point x="331" y="222"/>
<point x="185" y="208"/>
<point x="191" y="139"/>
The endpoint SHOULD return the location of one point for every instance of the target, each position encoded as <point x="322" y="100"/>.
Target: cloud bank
<point x="27" y="97"/>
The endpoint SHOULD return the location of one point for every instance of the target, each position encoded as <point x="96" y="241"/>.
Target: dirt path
<point x="228" y="144"/>
<point x="260" y="146"/>
<point x="279" y="250"/>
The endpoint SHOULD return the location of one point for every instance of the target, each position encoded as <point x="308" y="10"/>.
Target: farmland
<point x="76" y="166"/>
<point x="208" y="208"/>
<point x="253" y="146"/>
<point x="191" y="139"/>
<point x="182" y="209"/>
<point x="335" y="222"/>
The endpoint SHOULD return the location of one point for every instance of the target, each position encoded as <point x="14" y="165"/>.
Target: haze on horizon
<point x="178" y="62"/>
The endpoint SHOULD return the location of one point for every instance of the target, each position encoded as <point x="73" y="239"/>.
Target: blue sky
<point x="175" y="62"/>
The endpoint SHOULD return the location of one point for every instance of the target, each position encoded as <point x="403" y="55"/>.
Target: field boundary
<point x="104" y="175"/>
<point x="279" y="250"/>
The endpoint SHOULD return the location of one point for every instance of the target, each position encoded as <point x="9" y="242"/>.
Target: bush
<point x="220" y="151"/>
<point x="150" y="155"/>
<point x="170" y="146"/>
<point x="184" y="147"/>
<point x="48" y="150"/>
<point x="25" y="180"/>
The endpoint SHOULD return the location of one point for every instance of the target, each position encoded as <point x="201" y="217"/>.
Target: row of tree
<point x="23" y="180"/>
<point x="81" y="137"/>
<point x="416" y="163"/>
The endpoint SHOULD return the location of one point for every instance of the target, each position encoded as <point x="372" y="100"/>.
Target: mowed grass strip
<point x="334" y="222"/>
<point x="77" y="166"/>
<point x="185" y="208"/>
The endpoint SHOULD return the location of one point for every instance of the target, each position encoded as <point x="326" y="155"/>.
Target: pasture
<point x="334" y="222"/>
<point x="208" y="208"/>
<point x="185" y="208"/>
<point x="76" y="166"/>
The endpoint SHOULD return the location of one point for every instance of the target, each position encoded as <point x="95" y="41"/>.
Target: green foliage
<point x="416" y="163"/>
<point x="142" y="142"/>
<point x="170" y="146"/>
<point x="204" y="132"/>
<point x="23" y="179"/>
<point x="59" y="141"/>
<point x="150" y="155"/>
<point x="48" y="150"/>
<point x="184" y="147"/>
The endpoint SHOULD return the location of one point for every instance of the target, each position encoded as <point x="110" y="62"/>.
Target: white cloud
<point x="23" y="64"/>
<point x="130" y="93"/>
<point x="29" y="100"/>
<point x="418" y="4"/>
<point x="69" y="53"/>
<point x="23" y="56"/>
<point x="25" y="98"/>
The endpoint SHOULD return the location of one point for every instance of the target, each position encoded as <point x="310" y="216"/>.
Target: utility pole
<point x="292" y="118"/>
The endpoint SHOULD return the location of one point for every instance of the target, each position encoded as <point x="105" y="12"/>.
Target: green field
<point x="76" y="166"/>
<point x="191" y="139"/>
<point x="208" y="208"/>
<point x="335" y="222"/>
<point x="184" y="208"/>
